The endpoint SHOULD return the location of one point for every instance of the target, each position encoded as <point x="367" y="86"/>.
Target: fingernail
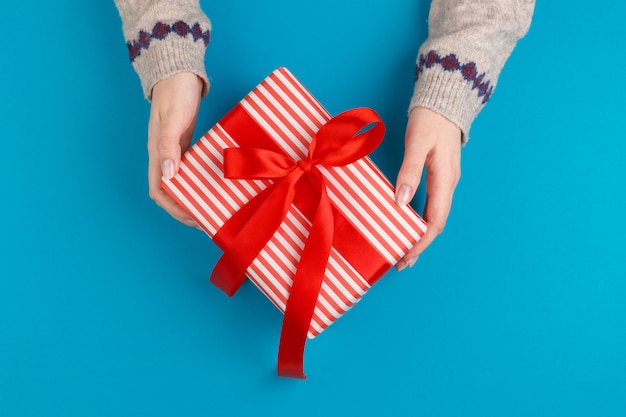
<point x="191" y="223"/>
<point x="167" y="167"/>
<point x="411" y="262"/>
<point x="403" y="195"/>
<point x="401" y="265"/>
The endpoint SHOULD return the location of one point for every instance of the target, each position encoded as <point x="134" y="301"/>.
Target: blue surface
<point x="518" y="309"/>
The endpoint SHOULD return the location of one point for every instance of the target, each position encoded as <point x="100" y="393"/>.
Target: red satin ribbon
<point x="341" y="141"/>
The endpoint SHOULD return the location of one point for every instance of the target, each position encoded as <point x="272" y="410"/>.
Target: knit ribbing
<point x="165" y="37"/>
<point x="169" y="56"/>
<point x="452" y="94"/>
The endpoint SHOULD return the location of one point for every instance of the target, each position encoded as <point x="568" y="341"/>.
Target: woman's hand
<point x="175" y="104"/>
<point x="434" y="142"/>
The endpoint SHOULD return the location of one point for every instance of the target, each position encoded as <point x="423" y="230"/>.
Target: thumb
<point x="168" y="146"/>
<point x="410" y="173"/>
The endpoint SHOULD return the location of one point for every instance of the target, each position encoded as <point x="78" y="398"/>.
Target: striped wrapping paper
<point x="286" y="111"/>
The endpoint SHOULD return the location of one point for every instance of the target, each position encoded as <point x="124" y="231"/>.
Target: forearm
<point x="468" y="43"/>
<point x="165" y="37"/>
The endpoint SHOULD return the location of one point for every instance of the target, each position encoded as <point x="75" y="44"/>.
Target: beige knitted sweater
<point x="457" y="66"/>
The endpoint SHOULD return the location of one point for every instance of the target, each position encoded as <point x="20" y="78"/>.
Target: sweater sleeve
<point x="165" y="37"/>
<point x="459" y="63"/>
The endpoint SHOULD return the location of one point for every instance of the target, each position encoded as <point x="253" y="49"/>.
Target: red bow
<point x="341" y="141"/>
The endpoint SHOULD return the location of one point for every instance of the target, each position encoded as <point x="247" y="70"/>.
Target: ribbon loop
<point x="344" y="138"/>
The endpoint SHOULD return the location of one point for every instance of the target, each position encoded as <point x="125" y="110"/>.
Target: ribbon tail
<point x="305" y="289"/>
<point x="241" y="250"/>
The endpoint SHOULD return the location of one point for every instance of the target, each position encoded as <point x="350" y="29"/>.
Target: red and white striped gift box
<point x="290" y="115"/>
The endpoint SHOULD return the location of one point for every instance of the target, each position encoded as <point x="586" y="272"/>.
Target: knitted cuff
<point x="450" y="88"/>
<point x="173" y="53"/>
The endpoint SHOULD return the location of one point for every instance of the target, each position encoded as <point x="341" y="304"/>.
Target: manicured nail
<point x="411" y="262"/>
<point x="167" y="167"/>
<point x="401" y="265"/>
<point x="191" y="223"/>
<point x="403" y="195"/>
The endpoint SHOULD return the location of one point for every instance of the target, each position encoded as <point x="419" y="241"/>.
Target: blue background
<point x="518" y="309"/>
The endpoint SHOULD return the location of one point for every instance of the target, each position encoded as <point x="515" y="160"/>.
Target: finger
<point x="187" y="135"/>
<point x="410" y="173"/>
<point x="155" y="173"/>
<point x="168" y="147"/>
<point x="162" y="199"/>
<point x="411" y="257"/>
<point x="440" y="187"/>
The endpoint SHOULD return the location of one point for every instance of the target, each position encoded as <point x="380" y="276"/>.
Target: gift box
<point x="289" y="194"/>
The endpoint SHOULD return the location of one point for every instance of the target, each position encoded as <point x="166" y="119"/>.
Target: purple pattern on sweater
<point x="451" y="63"/>
<point x="161" y="31"/>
